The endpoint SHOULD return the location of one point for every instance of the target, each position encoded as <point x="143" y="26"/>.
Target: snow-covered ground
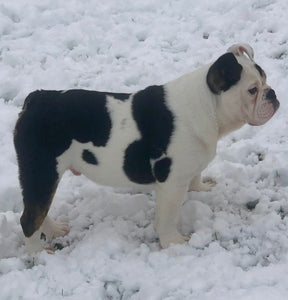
<point x="239" y="245"/>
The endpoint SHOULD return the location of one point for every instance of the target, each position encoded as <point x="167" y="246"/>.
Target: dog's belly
<point x="103" y="165"/>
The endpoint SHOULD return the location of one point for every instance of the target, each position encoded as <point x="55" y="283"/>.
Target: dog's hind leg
<point x="39" y="180"/>
<point x="37" y="146"/>
<point x="36" y="205"/>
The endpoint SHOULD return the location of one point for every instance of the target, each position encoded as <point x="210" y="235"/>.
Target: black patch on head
<point x="224" y="73"/>
<point x="260" y="70"/>
<point x="155" y="123"/>
<point x="162" y="169"/>
<point x="89" y="157"/>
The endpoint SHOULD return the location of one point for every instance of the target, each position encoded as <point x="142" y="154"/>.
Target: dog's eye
<point x="253" y="91"/>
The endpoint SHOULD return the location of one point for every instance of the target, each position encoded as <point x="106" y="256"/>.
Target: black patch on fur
<point x="162" y="169"/>
<point x="119" y="96"/>
<point x="89" y="157"/>
<point x="137" y="163"/>
<point x="224" y="73"/>
<point x="45" y="129"/>
<point x="155" y="123"/>
<point x="52" y="119"/>
<point x="260" y="70"/>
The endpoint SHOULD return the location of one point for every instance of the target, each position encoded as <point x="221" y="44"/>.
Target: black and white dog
<point x="163" y="136"/>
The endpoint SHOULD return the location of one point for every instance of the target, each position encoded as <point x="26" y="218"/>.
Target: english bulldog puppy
<point x="163" y="136"/>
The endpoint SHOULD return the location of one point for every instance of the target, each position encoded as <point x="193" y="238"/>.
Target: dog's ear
<point x="224" y="73"/>
<point x="241" y="49"/>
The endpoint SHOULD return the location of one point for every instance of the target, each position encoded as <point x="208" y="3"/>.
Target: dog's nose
<point x="271" y="95"/>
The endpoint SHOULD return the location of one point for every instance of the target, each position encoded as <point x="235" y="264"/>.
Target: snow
<point x="239" y="246"/>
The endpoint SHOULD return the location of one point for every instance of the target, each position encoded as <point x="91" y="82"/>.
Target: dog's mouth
<point x="264" y="111"/>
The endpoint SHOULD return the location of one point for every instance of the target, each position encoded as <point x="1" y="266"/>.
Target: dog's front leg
<point x="168" y="203"/>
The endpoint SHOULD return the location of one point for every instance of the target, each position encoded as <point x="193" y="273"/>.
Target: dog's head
<point x="241" y="84"/>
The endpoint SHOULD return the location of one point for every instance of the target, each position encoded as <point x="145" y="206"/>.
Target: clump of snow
<point x="239" y="243"/>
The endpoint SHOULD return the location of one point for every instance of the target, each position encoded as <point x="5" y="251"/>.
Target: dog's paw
<point x="173" y="238"/>
<point x="61" y="229"/>
<point x="49" y="250"/>
<point x="207" y="184"/>
<point x="53" y="229"/>
<point x="34" y="244"/>
<point x="204" y="186"/>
